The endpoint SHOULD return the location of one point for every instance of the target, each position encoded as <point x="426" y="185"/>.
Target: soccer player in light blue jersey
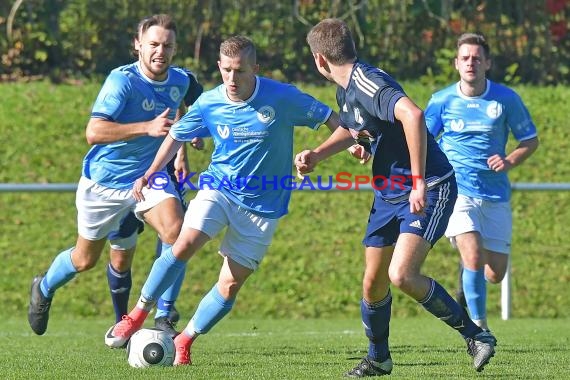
<point x="119" y="268"/>
<point x="132" y="114"/>
<point x="473" y="119"/>
<point x="413" y="196"/>
<point x="251" y="120"/>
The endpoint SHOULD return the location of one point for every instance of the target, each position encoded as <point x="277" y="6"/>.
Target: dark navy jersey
<point x="368" y="104"/>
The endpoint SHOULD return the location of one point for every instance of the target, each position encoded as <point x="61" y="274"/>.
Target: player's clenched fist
<point x="160" y="125"/>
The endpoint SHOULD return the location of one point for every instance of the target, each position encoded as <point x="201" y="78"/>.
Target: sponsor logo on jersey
<point x="494" y="110"/>
<point x="223" y="131"/>
<point x="174" y="93"/>
<point x="148" y="105"/>
<point x="457" y="125"/>
<point x="266" y="114"/>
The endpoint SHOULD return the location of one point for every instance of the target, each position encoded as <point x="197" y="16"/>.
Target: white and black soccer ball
<point x="150" y="347"/>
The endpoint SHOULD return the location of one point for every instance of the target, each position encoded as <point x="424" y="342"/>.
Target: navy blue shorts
<point x="388" y="220"/>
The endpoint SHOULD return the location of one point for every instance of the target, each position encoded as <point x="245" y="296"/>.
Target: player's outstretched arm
<point x="339" y="140"/>
<point x="307" y="160"/>
<point x="357" y="151"/>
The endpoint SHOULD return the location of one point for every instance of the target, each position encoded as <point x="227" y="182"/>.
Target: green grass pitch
<point x="422" y="348"/>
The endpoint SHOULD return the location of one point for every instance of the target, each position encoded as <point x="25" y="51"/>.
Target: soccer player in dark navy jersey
<point x="414" y="194"/>
<point x="368" y="109"/>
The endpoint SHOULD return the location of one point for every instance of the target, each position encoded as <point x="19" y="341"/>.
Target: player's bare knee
<point x="121" y="264"/>
<point x="84" y="264"/>
<point x="170" y="234"/>
<point x="168" y="238"/>
<point x="494" y="278"/>
<point x="368" y="284"/>
<point x="228" y="289"/>
<point x="84" y="260"/>
<point x="473" y="262"/>
<point x="184" y="250"/>
<point x="398" y="278"/>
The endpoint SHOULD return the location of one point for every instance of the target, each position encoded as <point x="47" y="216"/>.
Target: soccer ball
<point x="150" y="347"/>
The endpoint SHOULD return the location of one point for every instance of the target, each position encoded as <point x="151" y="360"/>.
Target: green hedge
<point x="411" y="39"/>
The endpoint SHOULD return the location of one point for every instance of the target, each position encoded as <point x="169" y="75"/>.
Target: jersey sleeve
<point x="519" y="120"/>
<point x="190" y="125"/>
<point x="306" y="110"/>
<point x="384" y="102"/>
<point x="432" y="116"/>
<point x="112" y="97"/>
<point x="378" y="93"/>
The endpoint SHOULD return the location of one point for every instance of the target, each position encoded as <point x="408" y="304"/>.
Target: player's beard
<point x="157" y="69"/>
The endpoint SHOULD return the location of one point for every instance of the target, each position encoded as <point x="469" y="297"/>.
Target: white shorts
<point x="248" y="235"/>
<point x="100" y="209"/>
<point x="493" y="220"/>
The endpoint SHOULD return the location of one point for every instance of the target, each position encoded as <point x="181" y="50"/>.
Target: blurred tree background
<point x="411" y="39"/>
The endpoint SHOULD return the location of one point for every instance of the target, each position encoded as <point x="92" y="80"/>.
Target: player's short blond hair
<point x="237" y="46"/>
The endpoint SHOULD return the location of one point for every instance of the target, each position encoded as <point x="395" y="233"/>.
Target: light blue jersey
<point x="473" y="129"/>
<point x="129" y="96"/>
<point x="253" y="155"/>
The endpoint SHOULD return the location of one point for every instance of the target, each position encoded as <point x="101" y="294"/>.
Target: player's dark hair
<point x="332" y="38"/>
<point x="162" y="20"/>
<point x="474" y="39"/>
<point x="239" y="45"/>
